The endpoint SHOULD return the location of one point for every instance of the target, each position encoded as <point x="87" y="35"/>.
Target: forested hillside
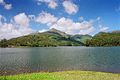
<point x="105" y="39"/>
<point x="52" y="37"/>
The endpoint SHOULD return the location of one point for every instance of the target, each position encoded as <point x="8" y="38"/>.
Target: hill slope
<point x="81" y="38"/>
<point x="52" y="37"/>
<point x="105" y="39"/>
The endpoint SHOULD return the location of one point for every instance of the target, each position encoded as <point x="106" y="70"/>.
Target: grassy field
<point x="66" y="75"/>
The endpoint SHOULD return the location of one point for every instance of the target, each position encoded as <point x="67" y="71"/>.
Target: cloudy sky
<point x="22" y="17"/>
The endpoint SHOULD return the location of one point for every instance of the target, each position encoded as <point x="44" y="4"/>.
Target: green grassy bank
<point x="66" y="75"/>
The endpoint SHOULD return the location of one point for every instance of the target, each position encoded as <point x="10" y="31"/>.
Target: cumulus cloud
<point x="1" y="1"/>
<point x="44" y="0"/>
<point x="22" y="19"/>
<point x="46" y="18"/>
<point x="6" y="6"/>
<point x="51" y="3"/>
<point x="103" y="28"/>
<point x="9" y="30"/>
<point x="19" y="25"/>
<point x="87" y="31"/>
<point x="2" y="19"/>
<point x="43" y="30"/>
<point x="65" y="24"/>
<point x="71" y="27"/>
<point x="70" y="7"/>
<point x="12" y="29"/>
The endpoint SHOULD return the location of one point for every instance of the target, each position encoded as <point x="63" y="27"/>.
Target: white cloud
<point x="70" y="7"/>
<point x="65" y="24"/>
<point x="22" y="19"/>
<point x="87" y="31"/>
<point x="2" y="19"/>
<point x="44" y="0"/>
<point x="70" y="27"/>
<point x="43" y="30"/>
<point x="51" y="3"/>
<point x="11" y="30"/>
<point x="81" y="18"/>
<point x="19" y="25"/>
<point x="46" y="18"/>
<point x="2" y="1"/>
<point x="103" y="28"/>
<point x="6" y="6"/>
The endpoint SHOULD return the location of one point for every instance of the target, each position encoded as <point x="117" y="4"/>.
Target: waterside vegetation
<point x="65" y="75"/>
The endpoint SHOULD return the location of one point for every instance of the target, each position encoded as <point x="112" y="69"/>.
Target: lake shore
<point x="64" y="75"/>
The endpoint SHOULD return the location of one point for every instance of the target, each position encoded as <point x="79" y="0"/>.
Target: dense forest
<point x="52" y="37"/>
<point x="105" y="39"/>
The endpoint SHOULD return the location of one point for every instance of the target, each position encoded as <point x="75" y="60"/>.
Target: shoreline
<point x="59" y="46"/>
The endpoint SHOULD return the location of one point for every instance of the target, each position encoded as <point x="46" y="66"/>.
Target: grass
<point x="65" y="75"/>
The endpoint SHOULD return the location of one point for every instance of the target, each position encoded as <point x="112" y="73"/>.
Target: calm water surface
<point x="24" y="60"/>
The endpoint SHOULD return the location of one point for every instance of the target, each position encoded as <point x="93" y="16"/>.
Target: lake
<point x="50" y="59"/>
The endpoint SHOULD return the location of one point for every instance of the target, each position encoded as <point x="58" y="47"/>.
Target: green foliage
<point x="52" y="37"/>
<point x="104" y="39"/>
<point x="65" y="75"/>
<point x="40" y="40"/>
<point x="3" y="43"/>
<point x="81" y="38"/>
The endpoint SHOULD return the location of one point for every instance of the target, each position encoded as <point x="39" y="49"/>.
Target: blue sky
<point x="71" y="16"/>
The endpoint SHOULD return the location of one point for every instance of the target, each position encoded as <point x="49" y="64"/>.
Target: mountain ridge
<point x="52" y="37"/>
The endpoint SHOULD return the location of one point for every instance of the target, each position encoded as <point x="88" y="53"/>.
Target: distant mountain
<point x="117" y="31"/>
<point x="55" y="31"/>
<point x="53" y="37"/>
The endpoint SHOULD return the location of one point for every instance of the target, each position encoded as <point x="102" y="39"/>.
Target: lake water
<point x="25" y="60"/>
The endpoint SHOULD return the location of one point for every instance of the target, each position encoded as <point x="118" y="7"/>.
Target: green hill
<point x="52" y="37"/>
<point x="105" y="39"/>
<point x="81" y="38"/>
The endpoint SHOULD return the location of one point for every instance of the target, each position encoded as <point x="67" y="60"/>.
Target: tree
<point x="3" y="43"/>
